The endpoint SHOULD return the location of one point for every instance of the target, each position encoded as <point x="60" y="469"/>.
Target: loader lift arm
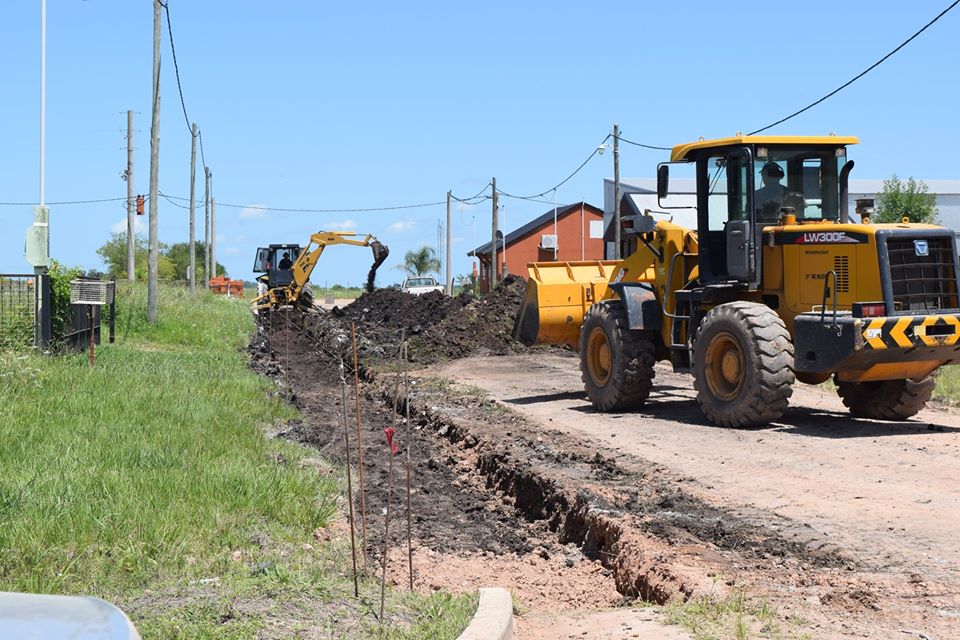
<point x="302" y="268"/>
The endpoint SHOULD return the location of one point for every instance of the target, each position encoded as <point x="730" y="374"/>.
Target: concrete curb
<point x="494" y="617"/>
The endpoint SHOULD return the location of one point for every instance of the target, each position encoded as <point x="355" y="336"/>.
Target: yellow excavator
<point x="775" y="285"/>
<point x="286" y="268"/>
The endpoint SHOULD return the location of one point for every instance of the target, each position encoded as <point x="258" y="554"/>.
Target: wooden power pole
<point x="616" y="191"/>
<point x="449" y="252"/>
<point x="193" y="179"/>
<point x="206" y="227"/>
<point x="154" y="257"/>
<point x="131" y="205"/>
<point x="213" y="235"/>
<point x="493" y="243"/>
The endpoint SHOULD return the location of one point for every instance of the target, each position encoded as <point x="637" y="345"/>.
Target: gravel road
<point x="882" y="496"/>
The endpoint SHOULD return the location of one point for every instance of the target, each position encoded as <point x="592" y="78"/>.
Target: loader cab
<point x="747" y="183"/>
<point x="276" y="261"/>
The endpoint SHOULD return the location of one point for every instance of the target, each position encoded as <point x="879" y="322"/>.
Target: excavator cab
<point x="276" y="262"/>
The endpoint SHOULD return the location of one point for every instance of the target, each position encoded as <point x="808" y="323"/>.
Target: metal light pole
<point x="556" y="236"/>
<point x="38" y="236"/>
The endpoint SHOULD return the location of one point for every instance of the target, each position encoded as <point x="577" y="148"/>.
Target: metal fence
<point x="18" y="310"/>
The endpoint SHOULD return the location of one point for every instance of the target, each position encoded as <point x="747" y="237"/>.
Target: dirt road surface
<point x="878" y="502"/>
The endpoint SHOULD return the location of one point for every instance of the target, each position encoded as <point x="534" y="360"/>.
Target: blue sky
<point x="315" y="105"/>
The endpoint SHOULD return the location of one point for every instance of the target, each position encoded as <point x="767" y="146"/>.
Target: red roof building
<point x="574" y="233"/>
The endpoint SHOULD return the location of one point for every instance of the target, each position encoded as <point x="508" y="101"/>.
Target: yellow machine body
<point x="560" y="293"/>
<point x="292" y="293"/>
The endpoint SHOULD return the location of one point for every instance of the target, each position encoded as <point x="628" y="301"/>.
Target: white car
<point x="420" y="285"/>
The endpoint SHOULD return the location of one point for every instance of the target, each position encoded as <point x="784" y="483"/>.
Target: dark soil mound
<point x="483" y="325"/>
<point x="436" y="326"/>
<point x="395" y="309"/>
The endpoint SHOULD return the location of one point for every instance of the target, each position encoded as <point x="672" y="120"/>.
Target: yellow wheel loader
<point x="775" y="285"/>
<point x="286" y="268"/>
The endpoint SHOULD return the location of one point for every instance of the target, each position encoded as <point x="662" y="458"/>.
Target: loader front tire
<point x="887" y="399"/>
<point x="742" y="359"/>
<point x="616" y="362"/>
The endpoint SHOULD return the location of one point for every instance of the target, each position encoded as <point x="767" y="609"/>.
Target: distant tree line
<point x="173" y="262"/>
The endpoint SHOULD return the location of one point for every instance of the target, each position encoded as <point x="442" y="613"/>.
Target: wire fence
<point x="18" y="310"/>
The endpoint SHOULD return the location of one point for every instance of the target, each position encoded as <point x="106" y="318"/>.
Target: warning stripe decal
<point x="911" y="331"/>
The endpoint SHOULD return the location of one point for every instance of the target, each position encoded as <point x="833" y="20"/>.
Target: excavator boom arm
<point x="307" y="259"/>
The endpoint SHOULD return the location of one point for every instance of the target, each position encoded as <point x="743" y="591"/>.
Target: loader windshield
<point x="804" y="178"/>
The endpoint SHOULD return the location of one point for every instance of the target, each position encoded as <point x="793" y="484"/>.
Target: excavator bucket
<point x="380" y="253"/>
<point x="557" y="297"/>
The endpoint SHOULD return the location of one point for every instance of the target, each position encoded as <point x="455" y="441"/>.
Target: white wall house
<point x="643" y="192"/>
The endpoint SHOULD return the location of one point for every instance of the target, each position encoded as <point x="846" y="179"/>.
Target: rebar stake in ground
<point x="363" y="501"/>
<point x="346" y="447"/>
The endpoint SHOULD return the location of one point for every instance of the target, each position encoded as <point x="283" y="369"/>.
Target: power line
<point x="470" y="199"/>
<point x="176" y="67"/>
<point x="31" y="204"/>
<point x="650" y="146"/>
<point x="859" y="75"/>
<point x="301" y="210"/>
<point x="203" y="158"/>
<point x="562" y="182"/>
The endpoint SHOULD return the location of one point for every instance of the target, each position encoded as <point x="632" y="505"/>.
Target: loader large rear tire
<point x="887" y="399"/>
<point x="616" y="362"/>
<point x="742" y="359"/>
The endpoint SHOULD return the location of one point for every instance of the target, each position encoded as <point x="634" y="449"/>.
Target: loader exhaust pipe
<point x="845" y="192"/>
<point x="380" y="253"/>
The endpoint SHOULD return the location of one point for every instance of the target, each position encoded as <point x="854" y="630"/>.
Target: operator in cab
<point x="285" y="261"/>
<point x="769" y="197"/>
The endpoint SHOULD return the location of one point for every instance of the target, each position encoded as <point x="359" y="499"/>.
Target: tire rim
<point x="725" y="366"/>
<point x="598" y="356"/>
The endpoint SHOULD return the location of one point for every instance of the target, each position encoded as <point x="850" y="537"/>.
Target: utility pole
<point x="206" y="227"/>
<point x="154" y="257"/>
<point x="193" y="179"/>
<point x="616" y="191"/>
<point x="449" y="271"/>
<point x="493" y="242"/>
<point x="131" y="205"/>
<point x="213" y="235"/>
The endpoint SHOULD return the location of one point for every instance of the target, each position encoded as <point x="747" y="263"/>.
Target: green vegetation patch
<point x="148" y="480"/>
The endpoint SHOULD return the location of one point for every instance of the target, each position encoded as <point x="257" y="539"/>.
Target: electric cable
<point x="564" y="181"/>
<point x="645" y="146"/>
<point x="176" y="67"/>
<point x="62" y="203"/>
<point x="859" y="75"/>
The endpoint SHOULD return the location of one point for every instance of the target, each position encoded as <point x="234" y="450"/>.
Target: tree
<point x="467" y="283"/>
<point x="908" y="199"/>
<point x="172" y="263"/>
<point x="114" y="253"/>
<point x="179" y="254"/>
<point x="420" y="261"/>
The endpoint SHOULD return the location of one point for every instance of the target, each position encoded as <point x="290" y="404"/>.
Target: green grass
<point x="144" y="477"/>
<point x="734" y="618"/>
<point x="948" y="385"/>
<point x="350" y="293"/>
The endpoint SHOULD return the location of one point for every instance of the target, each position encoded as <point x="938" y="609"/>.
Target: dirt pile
<point x="484" y="325"/>
<point x="438" y="327"/>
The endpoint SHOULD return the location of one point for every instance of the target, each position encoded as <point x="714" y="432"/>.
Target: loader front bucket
<point x="380" y="253"/>
<point x="557" y="297"/>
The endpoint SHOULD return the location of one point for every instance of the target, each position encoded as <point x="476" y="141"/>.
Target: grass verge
<point x="147" y="480"/>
